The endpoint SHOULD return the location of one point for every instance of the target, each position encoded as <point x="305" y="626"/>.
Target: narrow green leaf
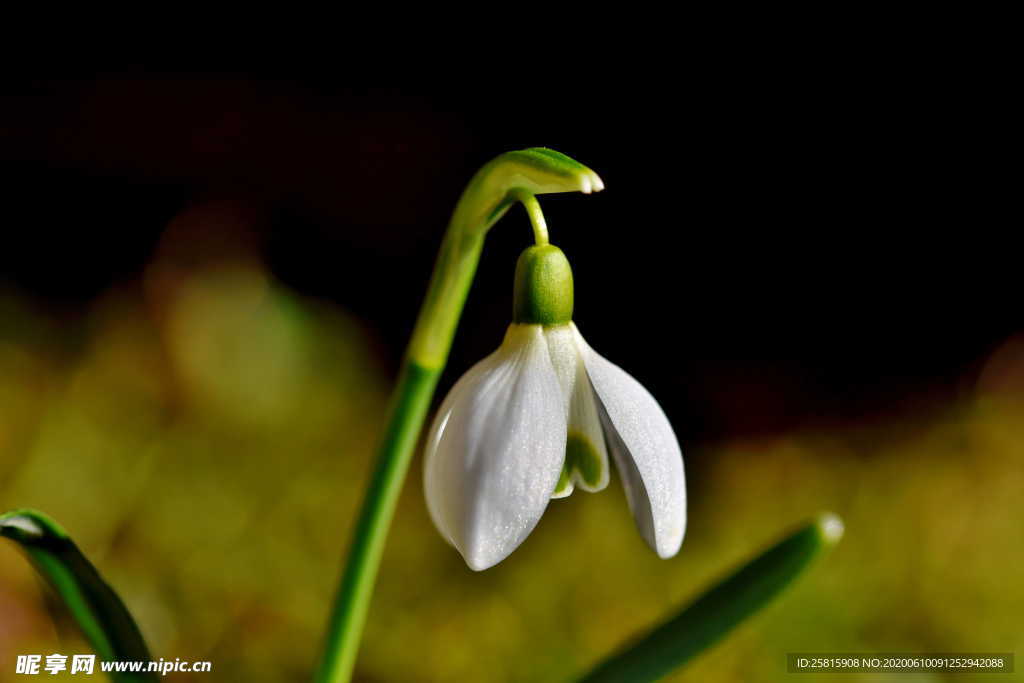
<point x="720" y="609"/>
<point x="98" y="610"/>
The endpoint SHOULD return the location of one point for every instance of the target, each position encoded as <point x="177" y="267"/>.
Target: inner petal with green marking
<point x="583" y="466"/>
<point x="586" y="456"/>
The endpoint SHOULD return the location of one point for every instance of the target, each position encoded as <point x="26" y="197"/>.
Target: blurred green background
<point x="207" y="284"/>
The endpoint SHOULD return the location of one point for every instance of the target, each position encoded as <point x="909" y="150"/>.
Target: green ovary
<point x="582" y="457"/>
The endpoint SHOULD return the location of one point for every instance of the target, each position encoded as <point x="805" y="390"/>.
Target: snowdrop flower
<point x="539" y="418"/>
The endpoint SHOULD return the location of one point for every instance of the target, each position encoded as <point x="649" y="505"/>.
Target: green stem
<point x="540" y="226"/>
<point x="413" y="393"/>
<point x="490" y="193"/>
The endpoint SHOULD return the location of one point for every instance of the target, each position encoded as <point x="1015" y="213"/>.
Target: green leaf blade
<point x="719" y="610"/>
<point x="97" y="609"/>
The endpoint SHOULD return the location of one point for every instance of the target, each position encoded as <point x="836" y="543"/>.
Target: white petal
<point x="645" y="450"/>
<point x="496" y="449"/>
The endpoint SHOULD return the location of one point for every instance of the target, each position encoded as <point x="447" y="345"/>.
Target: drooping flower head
<point x="540" y="417"/>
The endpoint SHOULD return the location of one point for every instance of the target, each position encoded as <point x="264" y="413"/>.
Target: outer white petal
<point x="496" y="449"/>
<point x="645" y="450"/>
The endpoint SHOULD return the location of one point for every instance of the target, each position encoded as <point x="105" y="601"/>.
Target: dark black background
<point x="775" y="247"/>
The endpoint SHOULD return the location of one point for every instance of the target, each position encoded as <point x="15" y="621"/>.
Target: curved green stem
<point x="540" y="226"/>
<point x="490" y="193"/>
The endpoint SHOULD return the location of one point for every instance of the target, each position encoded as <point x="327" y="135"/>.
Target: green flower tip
<point x="543" y="287"/>
<point x="583" y="459"/>
<point x="830" y="528"/>
<point x="26" y="526"/>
